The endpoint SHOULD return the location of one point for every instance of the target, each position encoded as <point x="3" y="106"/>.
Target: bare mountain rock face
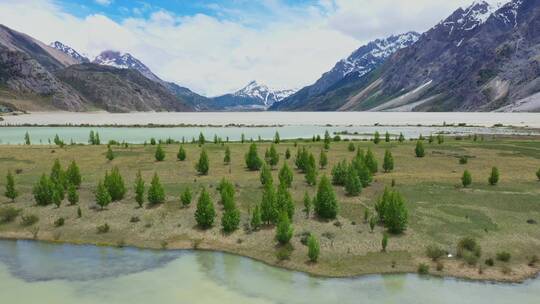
<point x="481" y="58"/>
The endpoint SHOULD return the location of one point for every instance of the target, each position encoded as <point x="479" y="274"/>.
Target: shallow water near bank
<point x="32" y="272"/>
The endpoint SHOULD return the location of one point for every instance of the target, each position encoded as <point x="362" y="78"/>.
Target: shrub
<point x="272" y="157"/>
<point x="469" y="250"/>
<point x="186" y="197"/>
<point x="103" y="228"/>
<point x="370" y="162"/>
<point x="227" y="157"/>
<point x="384" y="242"/>
<point x="313" y="248"/>
<point x="284" y="252"/>
<point x="466" y="179"/>
<point x="205" y="213"/>
<point x="489" y="262"/>
<point x="253" y="161"/>
<point x="440" y="266"/>
<point x="494" y="176"/>
<point x="325" y="201"/>
<point x="44" y="190"/>
<point x="59" y="222"/>
<point x="256" y="220"/>
<point x="284" y="231"/>
<point x="470" y="258"/>
<point x="463" y="160"/>
<point x="79" y="212"/>
<point x="203" y="165"/>
<point x="230" y="220"/>
<point x="323" y="159"/>
<point x="286" y="176"/>
<point x="503" y="256"/>
<point x="392" y="211"/>
<point x="156" y="193"/>
<point x="351" y="147"/>
<point x="11" y="192"/>
<point x="419" y="150"/>
<point x="72" y="195"/>
<point x="434" y="252"/>
<point x="339" y="173"/>
<point x="353" y="185"/>
<point x="376" y="138"/>
<point x="134" y="219"/>
<point x="388" y="163"/>
<point x="266" y="175"/>
<point x="423" y="269"/>
<point x="8" y="214"/>
<point x="181" y="155"/>
<point x="114" y="182"/>
<point x="103" y="198"/>
<point x="288" y="153"/>
<point x="110" y="154"/>
<point x="29" y="219"/>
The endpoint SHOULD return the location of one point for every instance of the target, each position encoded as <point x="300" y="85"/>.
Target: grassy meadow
<point x="504" y="217"/>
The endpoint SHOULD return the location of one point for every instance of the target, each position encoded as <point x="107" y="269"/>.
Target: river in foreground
<point x="35" y="272"/>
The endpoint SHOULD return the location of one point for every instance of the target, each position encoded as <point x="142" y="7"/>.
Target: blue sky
<point x="217" y="46"/>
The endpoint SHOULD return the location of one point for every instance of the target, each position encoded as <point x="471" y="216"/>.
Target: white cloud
<point x="214" y="56"/>
<point x="103" y="2"/>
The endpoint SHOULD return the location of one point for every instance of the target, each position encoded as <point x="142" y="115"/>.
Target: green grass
<point x="441" y="211"/>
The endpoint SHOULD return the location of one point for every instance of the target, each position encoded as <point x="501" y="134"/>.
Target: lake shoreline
<point x="503" y="279"/>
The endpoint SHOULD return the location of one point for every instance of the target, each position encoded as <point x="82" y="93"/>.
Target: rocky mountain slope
<point x="480" y="58"/>
<point x="254" y="96"/>
<point x="362" y="61"/>
<point x="57" y="78"/>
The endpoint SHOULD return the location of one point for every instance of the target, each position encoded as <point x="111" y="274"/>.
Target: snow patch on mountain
<point x="125" y="61"/>
<point x="470" y="17"/>
<point x="266" y="95"/>
<point x="69" y="51"/>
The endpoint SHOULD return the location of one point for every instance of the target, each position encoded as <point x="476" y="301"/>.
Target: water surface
<point x="33" y="272"/>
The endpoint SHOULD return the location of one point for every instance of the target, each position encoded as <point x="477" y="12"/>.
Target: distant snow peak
<point x="363" y="60"/>
<point x="124" y="61"/>
<point x="470" y="17"/>
<point x="263" y="93"/>
<point x="69" y="51"/>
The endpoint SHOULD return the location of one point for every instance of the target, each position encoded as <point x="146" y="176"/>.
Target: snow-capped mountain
<point x="125" y="61"/>
<point x="69" y="51"/>
<point x="362" y="61"/>
<point x="466" y="19"/>
<point x="252" y="96"/>
<point x="263" y="93"/>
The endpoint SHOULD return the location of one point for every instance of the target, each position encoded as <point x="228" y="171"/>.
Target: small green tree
<point x="273" y="157"/>
<point x="288" y="153"/>
<point x="494" y="176"/>
<point x="285" y="176"/>
<point x="156" y="193"/>
<point x="284" y="201"/>
<point x="351" y="147"/>
<point x="339" y="173"/>
<point x="73" y="174"/>
<point x="388" y="163"/>
<point x="307" y="204"/>
<point x="110" y="154"/>
<point x="181" y="156"/>
<point x="466" y="179"/>
<point x="11" y="192"/>
<point x="253" y="161"/>
<point x="203" y="165"/>
<point x="139" y="189"/>
<point x="401" y="138"/>
<point x="376" y="138"/>
<point x="301" y="160"/>
<point x="419" y="150"/>
<point x="387" y="137"/>
<point x="231" y="219"/>
<point x="186" y="197"/>
<point x="205" y="213"/>
<point x="256" y="220"/>
<point x="160" y="153"/>
<point x="323" y="159"/>
<point x="353" y="186"/>
<point x="395" y="213"/>
<point x="327" y="140"/>
<point x="72" y="195"/>
<point x="43" y="191"/>
<point x="311" y="171"/>
<point x="326" y="204"/>
<point x="27" y="138"/>
<point x="277" y="139"/>
<point x="266" y="175"/>
<point x="103" y="198"/>
<point x="371" y="223"/>
<point x="370" y="162"/>
<point x="202" y="140"/>
<point x="227" y="157"/>
<point x="284" y="230"/>
<point x="269" y="212"/>
<point x="114" y="182"/>
<point x="384" y="242"/>
<point x="440" y="139"/>
<point x="313" y="248"/>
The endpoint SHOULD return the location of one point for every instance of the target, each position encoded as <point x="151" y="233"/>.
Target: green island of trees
<point x="321" y="205"/>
